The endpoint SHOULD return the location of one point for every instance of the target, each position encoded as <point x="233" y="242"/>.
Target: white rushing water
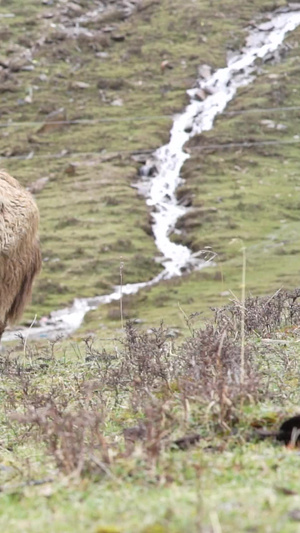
<point x="220" y="88"/>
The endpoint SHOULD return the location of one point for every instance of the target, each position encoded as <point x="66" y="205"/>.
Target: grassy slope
<point x="242" y="489"/>
<point x="226" y="479"/>
<point x="82" y="254"/>
<point x="241" y="197"/>
<point x="254" y="477"/>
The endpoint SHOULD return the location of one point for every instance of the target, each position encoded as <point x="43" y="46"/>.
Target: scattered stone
<point x="158" y="260"/>
<point x="272" y="57"/>
<point x="17" y="64"/>
<point x="209" y="90"/>
<point x="5" y="33"/>
<point x="4" y="62"/>
<point x="186" y="200"/>
<point x="140" y="157"/>
<point x="118" y="37"/>
<point x="281" y="127"/>
<point x="189" y="127"/>
<point x="94" y="39"/>
<point x="117" y="102"/>
<point x="46" y="491"/>
<point x="38" y="185"/>
<point x="295" y="515"/>
<point x="268" y="123"/>
<point x="165" y="64"/>
<point x="148" y="170"/>
<point x="108" y="29"/>
<point x="102" y="55"/>
<point x="14" y="48"/>
<point x="70" y="169"/>
<point x="200" y="94"/>
<point x="272" y="125"/>
<point x="266" y="26"/>
<point x="48" y="15"/>
<point x="54" y="121"/>
<point x="8" y="87"/>
<point x="79" y="85"/>
<point x="74" y="9"/>
<point x="28" y="98"/>
<point x="205" y="71"/>
<point x="173" y="333"/>
<point x="113" y="84"/>
<point x="25" y="42"/>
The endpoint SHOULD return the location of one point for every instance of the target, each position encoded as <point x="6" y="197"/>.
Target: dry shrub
<point x="205" y="369"/>
<point x="73" y="438"/>
<point x="165" y="389"/>
<point x="17" y="362"/>
<point x="62" y="419"/>
<point x="147" y="360"/>
<point x="262" y="314"/>
<point x="153" y="431"/>
<point x="144" y="361"/>
<point x="158" y="423"/>
<point x="158" y="384"/>
<point x="211" y="372"/>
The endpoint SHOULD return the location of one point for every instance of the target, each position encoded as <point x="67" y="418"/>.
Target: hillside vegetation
<point x="153" y="436"/>
<point x="109" y="78"/>
<point x="157" y="427"/>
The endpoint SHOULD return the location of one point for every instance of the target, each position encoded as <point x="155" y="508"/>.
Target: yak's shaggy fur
<point x="20" y="256"/>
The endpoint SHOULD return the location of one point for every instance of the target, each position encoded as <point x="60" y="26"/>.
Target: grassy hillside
<point x="158" y="428"/>
<point x="109" y="81"/>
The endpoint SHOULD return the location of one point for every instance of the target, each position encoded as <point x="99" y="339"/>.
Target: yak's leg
<point x="2" y="328"/>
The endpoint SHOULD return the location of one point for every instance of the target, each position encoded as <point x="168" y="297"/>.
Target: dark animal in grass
<point x="289" y="432"/>
<point x="20" y="256"/>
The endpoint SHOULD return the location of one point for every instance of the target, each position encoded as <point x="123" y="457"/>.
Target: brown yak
<point x="20" y="256"/>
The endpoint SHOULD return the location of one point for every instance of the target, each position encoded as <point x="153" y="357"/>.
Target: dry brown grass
<point x="146" y="392"/>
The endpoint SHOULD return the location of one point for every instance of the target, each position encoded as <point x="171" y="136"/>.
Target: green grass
<point x="254" y="474"/>
<point x="228" y="481"/>
<point x="94" y="220"/>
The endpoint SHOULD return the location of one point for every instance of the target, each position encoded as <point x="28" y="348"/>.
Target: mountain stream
<point x="160" y="176"/>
